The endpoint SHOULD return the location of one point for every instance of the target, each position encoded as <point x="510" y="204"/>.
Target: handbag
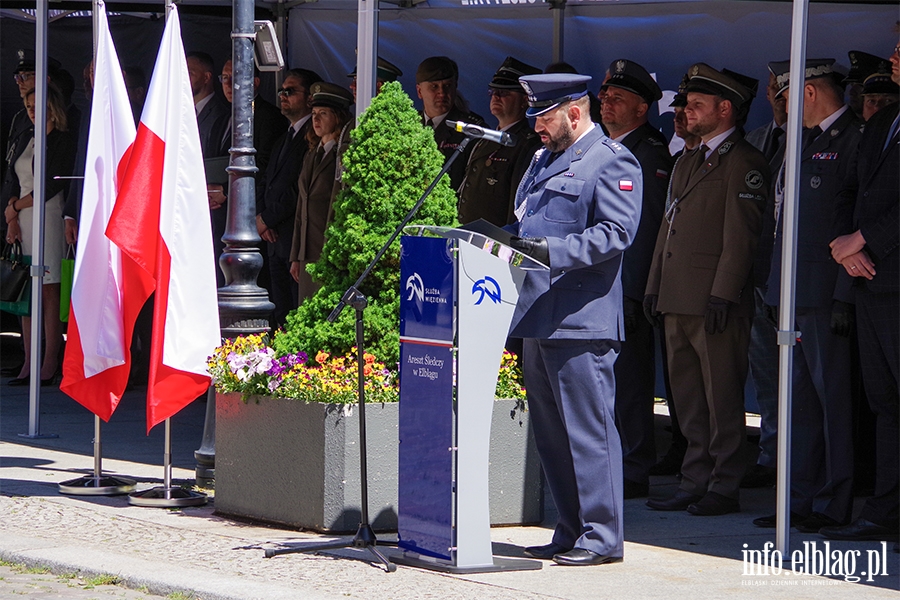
<point x="66" y="275"/>
<point x="13" y="272"/>
<point x="21" y="307"/>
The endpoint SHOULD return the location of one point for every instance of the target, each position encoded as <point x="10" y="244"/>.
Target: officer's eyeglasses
<point x="22" y="77"/>
<point x="285" y="92"/>
<point x="224" y="78"/>
<point x="897" y="49"/>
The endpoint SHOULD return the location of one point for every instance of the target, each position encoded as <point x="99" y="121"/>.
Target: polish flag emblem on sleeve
<point x="626" y="185"/>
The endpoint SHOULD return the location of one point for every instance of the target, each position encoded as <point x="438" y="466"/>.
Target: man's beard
<point x="562" y="140"/>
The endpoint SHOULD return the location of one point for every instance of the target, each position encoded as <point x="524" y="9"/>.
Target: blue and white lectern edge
<point x="458" y="295"/>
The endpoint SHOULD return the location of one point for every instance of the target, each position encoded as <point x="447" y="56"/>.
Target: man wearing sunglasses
<point x="277" y="196"/>
<point x="493" y="172"/>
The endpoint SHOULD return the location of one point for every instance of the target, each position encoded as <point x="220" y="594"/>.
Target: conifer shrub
<point x="391" y="161"/>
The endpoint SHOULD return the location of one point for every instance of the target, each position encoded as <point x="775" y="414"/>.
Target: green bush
<point x="389" y="164"/>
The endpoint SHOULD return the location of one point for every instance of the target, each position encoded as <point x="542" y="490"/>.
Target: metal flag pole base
<point x="364" y="539"/>
<point x="97" y="484"/>
<point x="166" y="496"/>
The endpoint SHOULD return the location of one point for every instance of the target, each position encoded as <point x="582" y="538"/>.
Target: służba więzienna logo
<point x="769" y="567"/>
<point x="489" y="287"/>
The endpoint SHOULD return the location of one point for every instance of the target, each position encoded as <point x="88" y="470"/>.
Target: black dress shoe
<point x="861" y="529"/>
<point x="713" y="505"/>
<point x="545" y="552"/>
<point x="816" y="521"/>
<point x="680" y="501"/>
<point x="669" y="465"/>
<point x="579" y="557"/>
<point x="769" y="521"/>
<point x="633" y="489"/>
<point x="759" y="476"/>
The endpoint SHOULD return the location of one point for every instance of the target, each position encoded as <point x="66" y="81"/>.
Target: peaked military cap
<point x="507" y="76"/>
<point x="385" y="71"/>
<point x="863" y="64"/>
<point x="879" y="83"/>
<point x="815" y="68"/>
<point x="680" y="98"/>
<point x="27" y="62"/>
<point x="630" y="76"/>
<point x="546" y="92"/>
<point x="703" y="79"/>
<point x="437" y="68"/>
<point x="330" y="94"/>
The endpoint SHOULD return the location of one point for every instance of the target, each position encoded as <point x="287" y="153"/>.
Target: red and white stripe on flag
<point x="161" y="223"/>
<point x="97" y="359"/>
<point x="626" y="185"/>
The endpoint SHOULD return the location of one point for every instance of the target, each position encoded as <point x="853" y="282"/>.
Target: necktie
<point x="287" y="145"/>
<point x="699" y="158"/>
<point x="429" y="123"/>
<point x="809" y="136"/>
<point x="320" y="153"/>
<point x="775" y="143"/>
<point x="892" y="133"/>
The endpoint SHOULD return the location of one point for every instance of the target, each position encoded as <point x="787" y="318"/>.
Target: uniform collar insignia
<point x="724" y="148"/>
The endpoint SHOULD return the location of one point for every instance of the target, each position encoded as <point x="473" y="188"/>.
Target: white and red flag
<point x="97" y="359"/>
<point x="161" y="224"/>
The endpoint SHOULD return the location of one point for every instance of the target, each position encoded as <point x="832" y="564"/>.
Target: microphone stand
<point x="365" y="536"/>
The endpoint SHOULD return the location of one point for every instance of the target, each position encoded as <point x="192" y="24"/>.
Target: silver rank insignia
<point x="724" y="148"/>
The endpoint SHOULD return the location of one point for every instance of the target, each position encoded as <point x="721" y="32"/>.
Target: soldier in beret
<point x="628" y="93"/>
<point x="577" y="210"/>
<point x="493" y="172"/>
<point x="317" y="184"/>
<point x="385" y="72"/>
<point x="821" y="426"/>
<point x="436" y="81"/>
<point x="701" y="280"/>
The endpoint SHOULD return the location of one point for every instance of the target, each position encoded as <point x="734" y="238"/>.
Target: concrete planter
<point x="286" y="462"/>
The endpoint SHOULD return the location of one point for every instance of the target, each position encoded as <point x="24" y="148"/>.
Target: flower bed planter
<point x="286" y="462"/>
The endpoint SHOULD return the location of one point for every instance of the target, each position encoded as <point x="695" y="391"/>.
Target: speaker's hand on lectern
<point x="536" y="248"/>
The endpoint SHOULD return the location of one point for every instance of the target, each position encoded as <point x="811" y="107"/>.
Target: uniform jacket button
<point x="668" y="255"/>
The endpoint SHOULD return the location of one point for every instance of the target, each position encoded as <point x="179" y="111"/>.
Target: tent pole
<point x="787" y="337"/>
<point x="366" y="54"/>
<point x="559" y="16"/>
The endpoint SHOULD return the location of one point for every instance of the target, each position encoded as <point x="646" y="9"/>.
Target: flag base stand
<point x="167" y="496"/>
<point x="97" y="484"/>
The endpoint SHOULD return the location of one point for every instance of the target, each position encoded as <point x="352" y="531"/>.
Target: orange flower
<point x="321" y="357"/>
<point x="367" y="370"/>
<point x="369" y="358"/>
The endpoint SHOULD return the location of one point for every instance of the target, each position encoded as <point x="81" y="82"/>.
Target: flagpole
<point x="97" y="484"/>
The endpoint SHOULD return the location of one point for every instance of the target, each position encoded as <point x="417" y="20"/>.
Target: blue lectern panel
<point x="425" y="486"/>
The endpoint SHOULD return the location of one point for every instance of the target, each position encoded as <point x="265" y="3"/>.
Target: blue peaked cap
<point x="546" y="92"/>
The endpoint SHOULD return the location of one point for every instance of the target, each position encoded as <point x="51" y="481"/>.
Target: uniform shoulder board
<point x="538" y="153"/>
<point x="653" y="141"/>
<point x="614" y="146"/>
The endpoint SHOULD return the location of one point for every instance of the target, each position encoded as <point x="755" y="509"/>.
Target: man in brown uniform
<point x="701" y="279"/>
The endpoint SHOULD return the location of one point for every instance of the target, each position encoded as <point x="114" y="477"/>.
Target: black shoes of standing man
<point x="709" y="505"/>
<point x="571" y="557"/>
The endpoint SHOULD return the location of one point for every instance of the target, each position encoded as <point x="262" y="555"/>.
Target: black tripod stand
<point x="365" y="536"/>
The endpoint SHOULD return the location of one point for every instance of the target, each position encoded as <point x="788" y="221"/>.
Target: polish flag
<point x="97" y="359"/>
<point x="161" y="223"/>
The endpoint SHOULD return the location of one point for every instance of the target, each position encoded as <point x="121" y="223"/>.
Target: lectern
<point x="458" y="292"/>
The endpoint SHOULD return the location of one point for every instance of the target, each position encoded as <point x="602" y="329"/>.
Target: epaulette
<point x="653" y="141"/>
<point x="614" y="146"/>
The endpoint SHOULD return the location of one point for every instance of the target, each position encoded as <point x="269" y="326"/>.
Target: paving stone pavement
<point x="17" y="582"/>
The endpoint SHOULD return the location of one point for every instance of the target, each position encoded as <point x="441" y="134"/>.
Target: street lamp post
<point x="244" y="307"/>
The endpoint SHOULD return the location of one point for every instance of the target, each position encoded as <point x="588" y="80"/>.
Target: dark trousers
<point x="821" y="421"/>
<point x="708" y="374"/>
<point x="571" y="397"/>
<point x="284" y="289"/>
<point x="635" y="373"/>
<point x="879" y="340"/>
<point x="764" y="369"/>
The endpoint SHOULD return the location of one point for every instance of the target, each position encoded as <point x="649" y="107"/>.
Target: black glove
<point x="536" y="248"/>
<point x="650" y="311"/>
<point x="631" y="312"/>
<point x="716" y="315"/>
<point x="843" y="317"/>
<point x="771" y="314"/>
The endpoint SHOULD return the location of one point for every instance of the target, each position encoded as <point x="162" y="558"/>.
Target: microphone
<point x="474" y="131"/>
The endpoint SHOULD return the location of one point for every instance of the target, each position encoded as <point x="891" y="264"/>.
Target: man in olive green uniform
<point x="493" y="172"/>
<point x="701" y="279"/>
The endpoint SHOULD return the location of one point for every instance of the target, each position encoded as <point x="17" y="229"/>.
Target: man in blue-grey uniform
<point x="577" y="210"/>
